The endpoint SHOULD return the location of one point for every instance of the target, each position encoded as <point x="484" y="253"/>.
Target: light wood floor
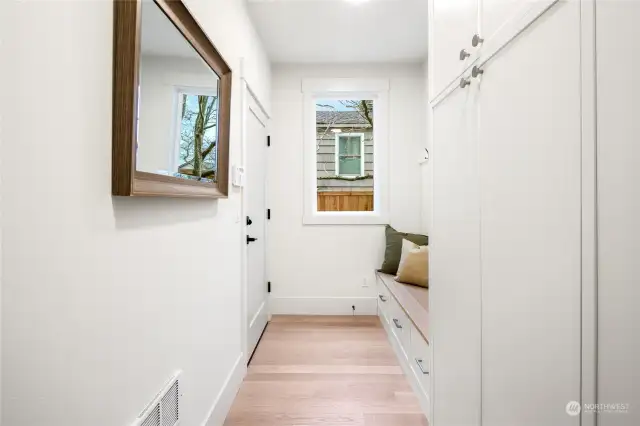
<point x="328" y="371"/>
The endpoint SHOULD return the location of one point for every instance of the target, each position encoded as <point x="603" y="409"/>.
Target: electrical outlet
<point x="365" y="283"/>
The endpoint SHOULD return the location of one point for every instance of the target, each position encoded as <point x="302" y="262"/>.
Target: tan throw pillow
<point x="414" y="264"/>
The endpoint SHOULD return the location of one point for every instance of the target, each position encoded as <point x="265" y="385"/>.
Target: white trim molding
<point x="323" y="305"/>
<point x="249" y="104"/>
<point x="224" y="400"/>
<point x="341" y="89"/>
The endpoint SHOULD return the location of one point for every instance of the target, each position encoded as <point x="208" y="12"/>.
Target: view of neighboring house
<point x="344" y="161"/>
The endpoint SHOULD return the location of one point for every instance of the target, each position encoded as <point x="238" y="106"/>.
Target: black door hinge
<point x="269" y="140"/>
<point x="268" y="286"/>
<point x="268" y="214"/>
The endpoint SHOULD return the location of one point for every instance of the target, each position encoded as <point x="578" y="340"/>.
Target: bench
<point x="404" y="311"/>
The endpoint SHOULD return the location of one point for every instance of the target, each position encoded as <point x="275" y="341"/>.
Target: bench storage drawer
<point x="400" y="326"/>
<point x="384" y="301"/>
<point x="420" y="359"/>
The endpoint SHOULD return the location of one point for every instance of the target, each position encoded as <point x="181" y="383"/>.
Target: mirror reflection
<point x="178" y="103"/>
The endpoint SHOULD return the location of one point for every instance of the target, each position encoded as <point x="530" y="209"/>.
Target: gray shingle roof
<point x="340" y="117"/>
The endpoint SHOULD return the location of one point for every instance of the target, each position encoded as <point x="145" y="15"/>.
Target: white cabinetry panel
<point x="618" y="209"/>
<point x="530" y="168"/>
<point x="500" y="20"/>
<point x="454" y="24"/>
<point x="454" y="284"/>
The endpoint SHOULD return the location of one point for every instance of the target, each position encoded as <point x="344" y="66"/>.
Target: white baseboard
<point x="323" y="305"/>
<point x="225" y="398"/>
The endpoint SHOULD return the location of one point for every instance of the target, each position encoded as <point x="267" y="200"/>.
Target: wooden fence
<point x="333" y="201"/>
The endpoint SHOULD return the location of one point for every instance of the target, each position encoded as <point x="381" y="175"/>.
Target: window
<point x="349" y="154"/>
<point x="345" y="151"/>
<point x="196" y="138"/>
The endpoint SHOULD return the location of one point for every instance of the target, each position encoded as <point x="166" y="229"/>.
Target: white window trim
<point x="177" y="120"/>
<point x="337" y="154"/>
<point x="347" y="88"/>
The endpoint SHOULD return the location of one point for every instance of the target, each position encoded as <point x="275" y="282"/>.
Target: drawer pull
<point x="384" y="299"/>
<point x="397" y="323"/>
<point x="420" y="366"/>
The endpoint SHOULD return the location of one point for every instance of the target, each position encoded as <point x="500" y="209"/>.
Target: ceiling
<point x="306" y="31"/>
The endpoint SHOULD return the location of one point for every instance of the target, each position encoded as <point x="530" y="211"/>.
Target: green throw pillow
<point x="393" y="249"/>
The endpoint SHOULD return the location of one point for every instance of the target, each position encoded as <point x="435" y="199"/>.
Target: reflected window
<point x="197" y="135"/>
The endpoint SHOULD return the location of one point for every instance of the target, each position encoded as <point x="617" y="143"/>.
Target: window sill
<point x="345" y="218"/>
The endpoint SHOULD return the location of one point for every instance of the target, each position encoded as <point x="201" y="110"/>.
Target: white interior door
<point x="255" y="144"/>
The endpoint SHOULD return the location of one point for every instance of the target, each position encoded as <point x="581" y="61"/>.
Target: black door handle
<point x="251" y="239"/>
<point x="249" y="221"/>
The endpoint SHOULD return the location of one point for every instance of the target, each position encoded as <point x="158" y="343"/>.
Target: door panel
<point x="530" y="168"/>
<point x="257" y="309"/>
<point x="501" y="19"/>
<point x="618" y="209"/>
<point x="454" y="282"/>
<point x="454" y="24"/>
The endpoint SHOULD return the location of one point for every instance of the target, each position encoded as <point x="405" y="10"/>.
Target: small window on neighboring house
<point x="346" y="134"/>
<point x="350" y="154"/>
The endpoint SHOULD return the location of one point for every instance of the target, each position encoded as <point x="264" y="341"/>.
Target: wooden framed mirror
<point x="171" y="104"/>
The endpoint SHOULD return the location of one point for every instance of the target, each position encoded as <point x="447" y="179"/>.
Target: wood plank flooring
<point x="325" y="371"/>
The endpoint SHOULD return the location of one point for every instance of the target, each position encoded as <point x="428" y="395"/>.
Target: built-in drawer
<point x="384" y="301"/>
<point x="400" y="326"/>
<point x="420" y="359"/>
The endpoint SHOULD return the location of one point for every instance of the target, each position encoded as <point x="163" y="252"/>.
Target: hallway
<point x="325" y="370"/>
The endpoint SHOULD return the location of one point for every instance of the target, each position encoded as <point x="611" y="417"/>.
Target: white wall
<point x="322" y="268"/>
<point x="160" y="77"/>
<point x="102" y="297"/>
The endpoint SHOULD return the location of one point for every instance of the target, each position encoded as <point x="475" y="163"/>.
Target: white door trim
<point x="249" y="104"/>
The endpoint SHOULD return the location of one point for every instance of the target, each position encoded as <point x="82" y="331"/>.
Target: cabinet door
<point x="454" y="24"/>
<point x="618" y="209"/>
<point x="454" y="283"/>
<point x="530" y="170"/>
<point x="501" y="19"/>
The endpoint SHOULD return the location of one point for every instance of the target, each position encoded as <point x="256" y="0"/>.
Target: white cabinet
<point x="454" y="24"/>
<point x="454" y="284"/>
<point x="502" y="19"/>
<point x="530" y="171"/>
<point x="618" y="209"/>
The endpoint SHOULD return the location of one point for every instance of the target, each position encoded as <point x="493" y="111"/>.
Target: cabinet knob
<point x="476" y="40"/>
<point x="464" y="54"/>
<point x="475" y="71"/>
<point x="464" y="82"/>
